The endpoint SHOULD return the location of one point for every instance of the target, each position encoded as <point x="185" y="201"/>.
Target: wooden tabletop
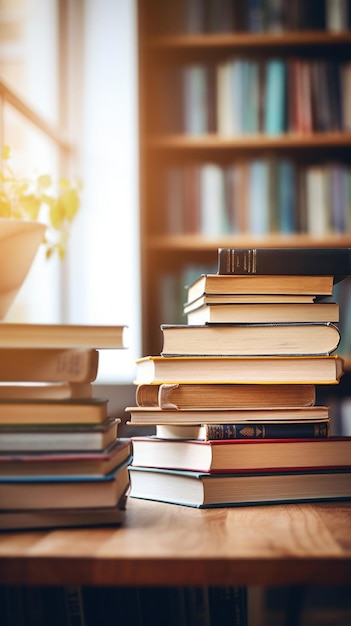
<point x="169" y="544"/>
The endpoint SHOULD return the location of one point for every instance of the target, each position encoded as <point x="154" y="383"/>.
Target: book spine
<point x="267" y="431"/>
<point x="287" y="261"/>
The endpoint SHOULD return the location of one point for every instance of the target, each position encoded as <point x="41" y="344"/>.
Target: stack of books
<point x="61" y="460"/>
<point x="233" y="393"/>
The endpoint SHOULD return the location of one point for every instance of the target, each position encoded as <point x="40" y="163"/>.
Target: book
<point x="284" y="369"/>
<point x="74" y="463"/>
<point x="48" y="411"/>
<point x="263" y="313"/>
<point x="204" y="490"/>
<point x="259" y="284"/>
<point x="179" y="396"/>
<point x="302" y="429"/>
<point x="48" y="364"/>
<point x="289" y="261"/>
<point x="40" y="391"/>
<point x="229" y="298"/>
<point x="15" y="335"/>
<point x="63" y="492"/>
<point x="57" y="437"/>
<point x="250" y="339"/>
<point x="243" y="455"/>
<point x="62" y="518"/>
<point x="142" y="416"/>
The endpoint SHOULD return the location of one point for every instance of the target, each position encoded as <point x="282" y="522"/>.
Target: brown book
<point x="143" y="416"/>
<point x="259" y="284"/>
<point x="14" y="335"/>
<point x="40" y="391"/>
<point x="283" y="369"/>
<point x="74" y="410"/>
<point x="262" y="313"/>
<point x="268" y="430"/>
<point x="242" y="455"/>
<point x="48" y="364"/>
<point x="180" y="396"/>
<point x="250" y="339"/>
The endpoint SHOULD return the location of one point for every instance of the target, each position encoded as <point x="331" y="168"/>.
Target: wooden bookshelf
<point x="164" y="544"/>
<point x="162" y="44"/>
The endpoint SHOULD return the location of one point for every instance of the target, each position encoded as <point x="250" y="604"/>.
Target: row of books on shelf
<point x="257" y="196"/>
<point x="136" y="606"/>
<point x="255" y="16"/>
<point x="248" y="96"/>
<point x="62" y="463"/>
<point x="233" y="402"/>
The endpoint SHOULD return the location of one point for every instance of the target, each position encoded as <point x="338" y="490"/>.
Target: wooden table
<point x="167" y="544"/>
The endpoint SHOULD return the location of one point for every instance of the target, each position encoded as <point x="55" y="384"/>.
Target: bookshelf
<point x="170" y="245"/>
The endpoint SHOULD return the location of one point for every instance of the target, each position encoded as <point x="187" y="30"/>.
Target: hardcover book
<point x="242" y="455"/>
<point x="48" y="365"/>
<point x="142" y="416"/>
<point x="74" y="410"/>
<point x="250" y="339"/>
<point x="289" y="261"/>
<point x="204" y="490"/>
<point x="268" y="430"/>
<point x="62" y="518"/>
<point x="14" y="335"/>
<point x="260" y="284"/>
<point x="284" y="369"/>
<point x="181" y="396"/>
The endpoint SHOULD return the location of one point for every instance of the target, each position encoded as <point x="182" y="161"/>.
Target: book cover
<point x="293" y="370"/>
<point x="16" y="335"/>
<point x="215" y="395"/>
<point x="290" y="261"/>
<point x="63" y="492"/>
<point x="250" y="339"/>
<point x="204" y="490"/>
<point x="78" y="365"/>
<point x="154" y="415"/>
<point x="67" y="463"/>
<point x="263" y="313"/>
<point x="52" y="436"/>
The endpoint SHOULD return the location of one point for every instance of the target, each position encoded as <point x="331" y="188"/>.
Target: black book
<point x="286" y="261"/>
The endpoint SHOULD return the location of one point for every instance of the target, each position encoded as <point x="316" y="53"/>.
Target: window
<point x="75" y="62"/>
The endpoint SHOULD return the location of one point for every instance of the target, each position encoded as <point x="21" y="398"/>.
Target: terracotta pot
<point x="19" y="243"/>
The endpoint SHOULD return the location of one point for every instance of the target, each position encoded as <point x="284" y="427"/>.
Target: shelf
<point x="248" y="142"/>
<point x="247" y="41"/>
<point x="191" y="243"/>
<point x="164" y="544"/>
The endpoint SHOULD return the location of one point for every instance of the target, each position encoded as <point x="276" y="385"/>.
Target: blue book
<point x="274" y="111"/>
<point x="258" y="205"/>
<point x="287" y="197"/>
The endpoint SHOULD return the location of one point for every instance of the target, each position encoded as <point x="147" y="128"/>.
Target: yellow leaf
<point x="44" y="181"/>
<point x="31" y="206"/>
<point x="5" y="208"/>
<point x="69" y="203"/>
<point x="56" y="215"/>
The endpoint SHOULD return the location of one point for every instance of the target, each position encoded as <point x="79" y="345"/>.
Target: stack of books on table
<point x="61" y="460"/>
<point x="233" y="393"/>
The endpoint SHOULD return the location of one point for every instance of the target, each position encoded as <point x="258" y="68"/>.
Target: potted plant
<point x="33" y="212"/>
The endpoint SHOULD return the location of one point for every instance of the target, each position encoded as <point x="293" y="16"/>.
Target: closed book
<point x="263" y="313"/>
<point x="63" y="492"/>
<point x="204" y="490"/>
<point x="39" y="391"/>
<point x="242" y="455"/>
<point x="255" y="284"/>
<point x="62" y="518"/>
<point x="142" y="416"/>
<point x="57" y="437"/>
<point x="15" y="335"/>
<point x="179" y="396"/>
<point x="250" y="339"/>
<point x="288" y="369"/>
<point x="289" y="261"/>
<point x="79" y="411"/>
<point x="274" y="430"/>
<point x="74" y="463"/>
<point x="48" y="364"/>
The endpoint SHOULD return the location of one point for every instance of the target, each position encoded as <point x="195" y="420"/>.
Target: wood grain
<point x="167" y="544"/>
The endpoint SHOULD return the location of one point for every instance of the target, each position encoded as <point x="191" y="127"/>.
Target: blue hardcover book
<point x="274" y="113"/>
<point x="287" y="197"/>
<point x="258" y="206"/>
